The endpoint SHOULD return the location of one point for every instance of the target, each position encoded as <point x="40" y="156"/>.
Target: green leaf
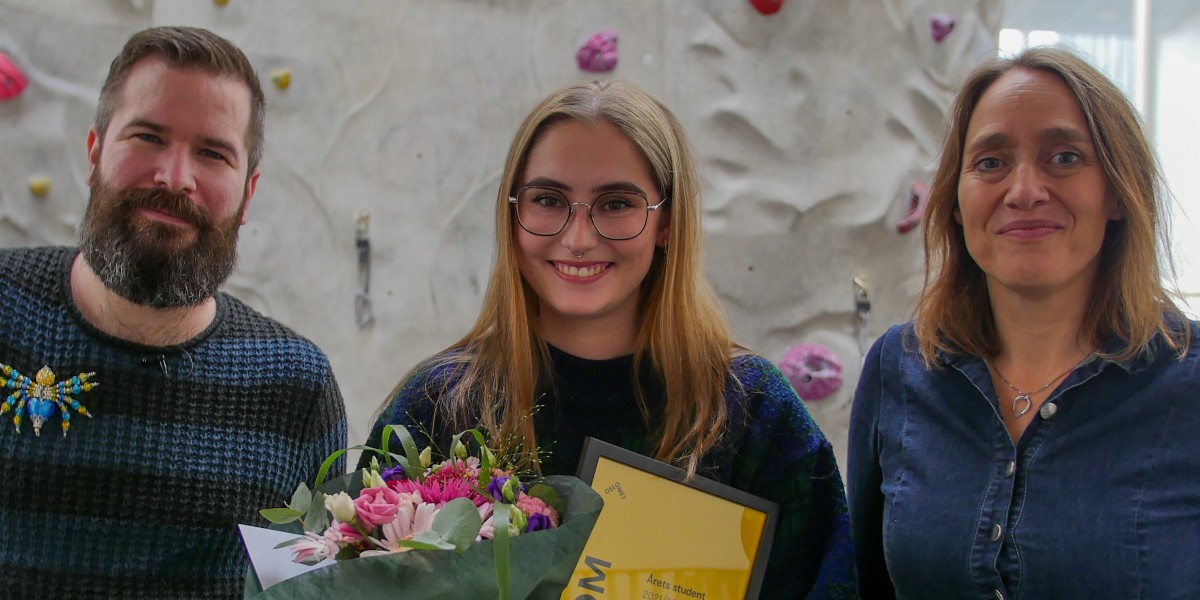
<point x="301" y="498"/>
<point x="325" y="466"/>
<point x="317" y="517"/>
<point x="455" y="528"/>
<point x="500" y="515"/>
<point x="458" y="523"/>
<point x="426" y="540"/>
<point x="290" y="542"/>
<point x="279" y="516"/>
<point x="547" y="494"/>
<point x="485" y="463"/>
<point x="412" y="461"/>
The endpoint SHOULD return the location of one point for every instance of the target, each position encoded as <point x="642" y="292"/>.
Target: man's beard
<point x="152" y="263"/>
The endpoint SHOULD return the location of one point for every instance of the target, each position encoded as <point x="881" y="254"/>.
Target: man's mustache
<point x="176" y="205"/>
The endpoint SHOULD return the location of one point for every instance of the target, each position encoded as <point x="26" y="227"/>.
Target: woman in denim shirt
<point x="1035" y="431"/>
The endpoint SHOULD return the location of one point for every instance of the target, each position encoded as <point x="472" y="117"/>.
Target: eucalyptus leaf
<point x="279" y="516"/>
<point x="301" y="498"/>
<point x="317" y="517"/>
<point x="458" y="523"/>
<point x="547" y="494"/>
<point x="426" y="540"/>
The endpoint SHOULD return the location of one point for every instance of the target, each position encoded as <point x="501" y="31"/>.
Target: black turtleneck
<point x="594" y="398"/>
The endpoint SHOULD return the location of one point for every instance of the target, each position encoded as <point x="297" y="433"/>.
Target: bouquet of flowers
<point x="463" y="527"/>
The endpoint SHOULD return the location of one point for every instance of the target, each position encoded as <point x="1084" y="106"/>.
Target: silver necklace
<point x="1023" y="397"/>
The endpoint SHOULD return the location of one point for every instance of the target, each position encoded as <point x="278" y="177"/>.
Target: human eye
<point x="545" y="199"/>
<point x="615" y="204"/>
<point x="988" y="164"/>
<point x="213" y="154"/>
<point x="147" y="137"/>
<point x="1066" y="158"/>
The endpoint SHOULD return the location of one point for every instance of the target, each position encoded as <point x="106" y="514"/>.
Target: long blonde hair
<point x="682" y="333"/>
<point x="1129" y="301"/>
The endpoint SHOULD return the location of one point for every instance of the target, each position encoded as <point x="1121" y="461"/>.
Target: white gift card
<point x="272" y="564"/>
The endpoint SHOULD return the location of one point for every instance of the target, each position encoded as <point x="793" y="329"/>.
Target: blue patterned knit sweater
<point x="772" y="450"/>
<point x="186" y="442"/>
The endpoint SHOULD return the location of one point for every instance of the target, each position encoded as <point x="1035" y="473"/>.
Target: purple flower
<point x="394" y="473"/>
<point x="538" y="522"/>
<point x="505" y="488"/>
<point x="495" y="488"/>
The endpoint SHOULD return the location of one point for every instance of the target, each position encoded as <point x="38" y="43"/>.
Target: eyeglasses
<point x="615" y="215"/>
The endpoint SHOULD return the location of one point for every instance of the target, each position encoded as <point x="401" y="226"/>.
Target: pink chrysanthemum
<point x="410" y="520"/>
<point x="467" y="470"/>
<point x="439" y="493"/>
<point x="313" y="549"/>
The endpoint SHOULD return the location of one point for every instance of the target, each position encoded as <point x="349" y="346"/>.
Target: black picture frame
<point x="595" y="449"/>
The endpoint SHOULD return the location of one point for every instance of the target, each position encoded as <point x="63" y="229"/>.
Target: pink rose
<point x="531" y="505"/>
<point x="376" y="506"/>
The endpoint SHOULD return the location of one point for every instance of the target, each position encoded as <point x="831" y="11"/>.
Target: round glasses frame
<point x="591" y="217"/>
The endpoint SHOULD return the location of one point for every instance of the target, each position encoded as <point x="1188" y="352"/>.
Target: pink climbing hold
<point x="940" y="26"/>
<point x="813" y="370"/>
<point x="767" y="7"/>
<point x="599" y="53"/>
<point x="12" y="79"/>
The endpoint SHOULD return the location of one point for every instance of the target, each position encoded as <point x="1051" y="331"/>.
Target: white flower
<point x="313" y="549"/>
<point x="410" y="520"/>
<point x="341" y="505"/>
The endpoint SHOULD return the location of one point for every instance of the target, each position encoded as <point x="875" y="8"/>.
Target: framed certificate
<point x="663" y="537"/>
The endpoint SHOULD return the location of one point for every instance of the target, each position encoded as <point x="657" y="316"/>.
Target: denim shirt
<point x="1099" y="498"/>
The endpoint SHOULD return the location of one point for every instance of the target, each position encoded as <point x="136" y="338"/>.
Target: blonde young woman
<point x="1035" y="432"/>
<point x="598" y="322"/>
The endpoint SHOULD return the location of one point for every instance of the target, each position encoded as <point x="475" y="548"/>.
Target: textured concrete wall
<point x="810" y="124"/>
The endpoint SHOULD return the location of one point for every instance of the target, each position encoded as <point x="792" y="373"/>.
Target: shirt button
<point x="1048" y="410"/>
<point x="999" y="596"/>
<point x="995" y="535"/>
<point x="1010" y="468"/>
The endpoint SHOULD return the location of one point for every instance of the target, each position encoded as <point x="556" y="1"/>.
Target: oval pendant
<point x="1025" y="403"/>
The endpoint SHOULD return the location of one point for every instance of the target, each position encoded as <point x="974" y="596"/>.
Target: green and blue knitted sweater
<point x="186" y="442"/>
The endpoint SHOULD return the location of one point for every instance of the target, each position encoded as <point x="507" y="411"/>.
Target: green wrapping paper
<point x="541" y="561"/>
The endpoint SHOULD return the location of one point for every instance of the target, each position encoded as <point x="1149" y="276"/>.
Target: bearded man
<point x="202" y="411"/>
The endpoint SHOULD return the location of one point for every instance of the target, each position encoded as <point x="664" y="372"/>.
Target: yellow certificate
<point x="661" y="538"/>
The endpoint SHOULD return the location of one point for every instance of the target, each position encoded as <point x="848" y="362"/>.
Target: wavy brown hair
<point x="682" y="333"/>
<point x="1129" y="302"/>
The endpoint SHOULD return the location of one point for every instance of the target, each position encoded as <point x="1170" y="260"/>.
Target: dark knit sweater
<point x="143" y="499"/>
<point x="772" y="449"/>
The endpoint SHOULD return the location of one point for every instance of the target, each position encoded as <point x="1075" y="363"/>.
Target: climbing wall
<point x="815" y="126"/>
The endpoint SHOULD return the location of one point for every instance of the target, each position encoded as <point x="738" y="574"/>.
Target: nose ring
<point x="580" y="255"/>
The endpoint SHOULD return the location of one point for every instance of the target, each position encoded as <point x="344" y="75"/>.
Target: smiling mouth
<point x="581" y="272"/>
<point x="163" y="216"/>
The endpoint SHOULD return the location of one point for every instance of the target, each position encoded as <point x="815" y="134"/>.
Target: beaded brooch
<point x="40" y="396"/>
